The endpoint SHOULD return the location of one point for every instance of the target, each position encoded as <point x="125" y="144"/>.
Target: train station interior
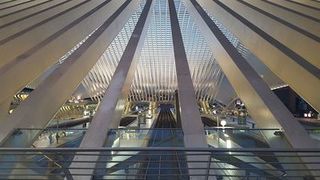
<point x="160" y="89"/>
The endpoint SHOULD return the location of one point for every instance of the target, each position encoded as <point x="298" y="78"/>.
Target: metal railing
<point x="159" y="162"/>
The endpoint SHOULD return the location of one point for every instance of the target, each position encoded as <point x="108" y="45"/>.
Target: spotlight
<point x="223" y="123"/>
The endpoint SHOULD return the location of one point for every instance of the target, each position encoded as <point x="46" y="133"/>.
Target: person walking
<point x="50" y="138"/>
<point x="57" y="137"/>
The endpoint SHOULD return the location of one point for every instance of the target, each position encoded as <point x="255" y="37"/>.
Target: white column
<point x="11" y="8"/>
<point x="29" y="13"/>
<point x="192" y="126"/>
<point x="307" y="3"/>
<point x="291" y="17"/>
<point x="111" y="107"/>
<point x="10" y="26"/>
<point x="291" y="71"/>
<point x="29" y="55"/>
<point x="42" y="104"/>
<point x="262" y="104"/>
<point x="298" y="8"/>
<point x="304" y="46"/>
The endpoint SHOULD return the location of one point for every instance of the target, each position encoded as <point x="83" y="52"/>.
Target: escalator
<point x="125" y="121"/>
<point x="207" y="122"/>
<point x="169" y="165"/>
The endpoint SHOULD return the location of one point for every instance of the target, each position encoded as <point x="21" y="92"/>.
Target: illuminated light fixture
<point x="278" y="87"/>
<point x="223" y="123"/>
<point x="228" y="143"/>
<point x="305" y="115"/>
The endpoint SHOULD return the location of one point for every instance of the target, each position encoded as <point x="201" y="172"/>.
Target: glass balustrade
<point x="145" y="137"/>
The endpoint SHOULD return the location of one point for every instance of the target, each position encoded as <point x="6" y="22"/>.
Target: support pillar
<point x="307" y="3"/>
<point x="290" y="17"/>
<point x="297" y="8"/>
<point x="263" y="105"/>
<point x="30" y="13"/>
<point x="177" y="106"/>
<point x="20" y="7"/>
<point x="271" y="52"/>
<point x="190" y="116"/>
<point x="111" y="107"/>
<point x="48" y="97"/>
<point x="193" y="130"/>
<point x="308" y="47"/>
<point x="30" y="54"/>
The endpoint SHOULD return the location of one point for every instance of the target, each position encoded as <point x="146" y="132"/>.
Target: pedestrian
<point x="50" y="138"/>
<point x="57" y="137"/>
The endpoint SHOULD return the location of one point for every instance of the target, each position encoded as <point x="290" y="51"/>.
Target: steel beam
<point x="6" y="3"/>
<point x="192" y="126"/>
<point x="111" y="107"/>
<point x="306" y="47"/>
<point x="262" y="104"/>
<point x="307" y="3"/>
<point x="42" y="29"/>
<point x="291" y="18"/>
<point x="189" y="113"/>
<point x="19" y="8"/>
<point x="272" y="53"/>
<point x="15" y="4"/>
<point x="52" y="93"/>
<point x="12" y="18"/>
<point x="297" y="8"/>
<point x="40" y="55"/>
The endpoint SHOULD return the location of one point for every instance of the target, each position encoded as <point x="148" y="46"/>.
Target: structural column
<point x="287" y="17"/>
<point x="192" y="126"/>
<point x="271" y="51"/>
<point x="29" y="52"/>
<point x="9" y="18"/>
<point x="263" y="105"/>
<point x="53" y="92"/>
<point x="297" y="8"/>
<point x="304" y="44"/>
<point x="111" y="107"/>
<point x="189" y="113"/>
